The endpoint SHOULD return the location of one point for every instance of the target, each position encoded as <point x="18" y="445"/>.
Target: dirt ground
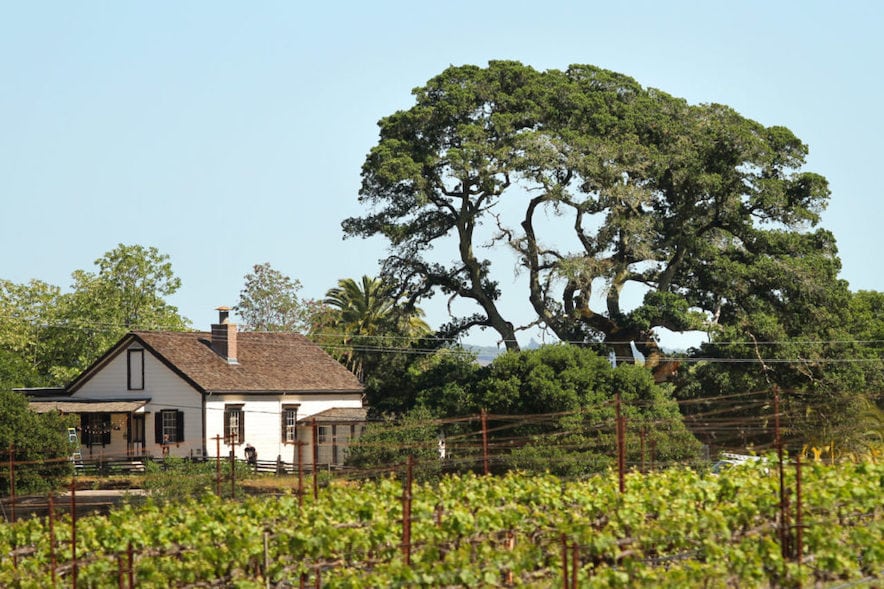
<point x="85" y="502"/>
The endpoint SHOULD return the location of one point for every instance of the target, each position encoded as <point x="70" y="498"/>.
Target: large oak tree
<point x="709" y="213"/>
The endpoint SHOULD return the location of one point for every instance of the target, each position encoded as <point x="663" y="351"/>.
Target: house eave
<point x="68" y="405"/>
<point x="286" y="392"/>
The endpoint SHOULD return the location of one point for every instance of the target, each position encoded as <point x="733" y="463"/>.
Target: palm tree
<point x="366" y="318"/>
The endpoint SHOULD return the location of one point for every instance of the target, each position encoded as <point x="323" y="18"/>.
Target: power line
<point x="108" y="326"/>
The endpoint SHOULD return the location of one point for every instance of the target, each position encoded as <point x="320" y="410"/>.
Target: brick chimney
<point x="224" y="336"/>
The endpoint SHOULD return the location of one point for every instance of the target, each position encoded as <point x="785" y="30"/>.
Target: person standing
<point x="251" y="456"/>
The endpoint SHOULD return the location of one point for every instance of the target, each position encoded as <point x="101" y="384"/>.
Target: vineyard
<point x="672" y="528"/>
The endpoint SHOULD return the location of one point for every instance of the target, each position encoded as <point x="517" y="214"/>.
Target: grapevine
<point x="672" y="528"/>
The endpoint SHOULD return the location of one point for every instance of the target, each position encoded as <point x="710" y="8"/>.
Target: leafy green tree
<point x="26" y="353"/>
<point x="269" y="302"/>
<point x="39" y="443"/>
<point x="126" y="293"/>
<point x="823" y="359"/>
<point x="567" y="395"/>
<point x="47" y="337"/>
<point x="559" y="406"/>
<point x="619" y="186"/>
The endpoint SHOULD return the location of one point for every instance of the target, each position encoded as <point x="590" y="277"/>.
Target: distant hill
<point x="485" y="354"/>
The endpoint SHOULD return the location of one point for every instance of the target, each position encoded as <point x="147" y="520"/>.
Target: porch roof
<point x="337" y="415"/>
<point x="68" y="405"/>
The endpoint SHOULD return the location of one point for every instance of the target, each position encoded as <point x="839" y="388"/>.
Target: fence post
<point x="131" y="558"/>
<point x="266" y="559"/>
<point x="778" y="442"/>
<point x="621" y="447"/>
<point x="218" y="465"/>
<point x="74" y="566"/>
<point x="315" y="460"/>
<point x="799" y="519"/>
<point x="484" y="417"/>
<point x="52" y="558"/>
<point x="300" y="473"/>
<point x="575" y="564"/>
<point x="653" y="450"/>
<point x="232" y="473"/>
<point x="565" y="583"/>
<point x="12" y="482"/>
<point x="406" y="512"/>
<point x="510" y="546"/>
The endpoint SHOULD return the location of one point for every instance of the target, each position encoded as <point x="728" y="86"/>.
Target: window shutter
<point x="226" y="426"/>
<point x="158" y="426"/>
<point x="179" y="422"/>
<point x="242" y="426"/>
<point x="282" y="426"/>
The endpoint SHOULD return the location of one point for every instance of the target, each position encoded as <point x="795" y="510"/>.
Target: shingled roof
<point x="266" y="362"/>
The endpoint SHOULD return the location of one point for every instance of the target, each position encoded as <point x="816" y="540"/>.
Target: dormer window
<point x="135" y="370"/>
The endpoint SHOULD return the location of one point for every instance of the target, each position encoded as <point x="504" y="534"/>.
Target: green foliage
<point x="445" y="382"/>
<point x="127" y="293"/>
<point x="676" y="528"/>
<point x="269" y="302"/>
<point x="387" y="444"/>
<point x="27" y="352"/>
<point x="581" y="386"/>
<point x="707" y="210"/>
<point x="558" y="407"/>
<point x="49" y="337"/>
<point x="824" y="358"/>
<point x="177" y="479"/>
<point x="363" y="320"/>
<point x="39" y="443"/>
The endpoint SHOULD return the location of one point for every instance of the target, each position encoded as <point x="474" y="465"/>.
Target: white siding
<point x="167" y="390"/>
<point x="263" y="421"/>
<point x="164" y="388"/>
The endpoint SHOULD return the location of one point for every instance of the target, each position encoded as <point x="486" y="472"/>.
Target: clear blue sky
<point x="228" y="134"/>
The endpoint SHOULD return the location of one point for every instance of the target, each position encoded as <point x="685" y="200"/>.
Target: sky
<point x="230" y="134"/>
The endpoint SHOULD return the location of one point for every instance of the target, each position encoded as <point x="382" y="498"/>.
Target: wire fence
<point x="481" y="447"/>
<point x="574" y="564"/>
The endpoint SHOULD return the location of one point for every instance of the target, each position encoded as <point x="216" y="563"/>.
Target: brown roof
<point x="266" y="362"/>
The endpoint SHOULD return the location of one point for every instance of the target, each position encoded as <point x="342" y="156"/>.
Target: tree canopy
<point x="825" y="361"/>
<point x="48" y="336"/>
<point x="564" y="395"/>
<point x="269" y="302"/>
<point x="619" y="187"/>
<point x="39" y="442"/>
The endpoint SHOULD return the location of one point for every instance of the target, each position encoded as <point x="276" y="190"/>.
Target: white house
<point x="200" y="394"/>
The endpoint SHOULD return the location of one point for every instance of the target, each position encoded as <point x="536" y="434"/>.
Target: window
<point x="322" y="434"/>
<point x="289" y="424"/>
<point x="169" y="426"/>
<point x="234" y="425"/>
<point x="135" y="370"/>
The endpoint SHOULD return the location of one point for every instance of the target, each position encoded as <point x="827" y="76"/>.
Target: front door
<point x="136" y="434"/>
